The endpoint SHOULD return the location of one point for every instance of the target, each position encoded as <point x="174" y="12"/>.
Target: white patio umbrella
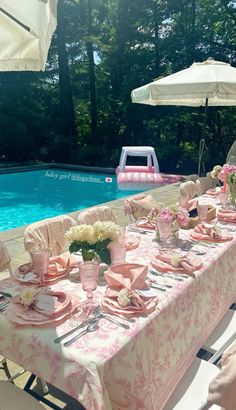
<point x="26" y="28"/>
<point x="210" y="83"/>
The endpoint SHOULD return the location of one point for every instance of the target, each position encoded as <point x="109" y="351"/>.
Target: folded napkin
<point x="123" y="281"/>
<point x="214" y="192"/>
<point x="131" y="243"/>
<point x="166" y="261"/>
<point x="58" y="266"/>
<point x="222" y="390"/>
<point x="40" y="307"/>
<point x="227" y="215"/>
<point x="202" y="232"/>
<point x="145" y="223"/>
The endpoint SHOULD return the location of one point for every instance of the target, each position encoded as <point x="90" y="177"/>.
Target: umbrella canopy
<point x="211" y="81"/>
<point x="26" y="30"/>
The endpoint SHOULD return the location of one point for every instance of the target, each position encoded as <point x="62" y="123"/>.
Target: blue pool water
<point x="26" y="197"/>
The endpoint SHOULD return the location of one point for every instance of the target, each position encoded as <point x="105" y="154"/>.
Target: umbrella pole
<point x="202" y="144"/>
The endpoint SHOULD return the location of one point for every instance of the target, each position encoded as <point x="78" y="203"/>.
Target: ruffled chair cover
<point x="98" y="213"/>
<point x="4" y="257"/>
<point x="206" y="183"/>
<point x="48" y="234"/>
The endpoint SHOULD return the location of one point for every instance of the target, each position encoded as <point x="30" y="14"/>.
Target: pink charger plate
<point x="165" y="266"/>
<point x="207" y="238"/>
<point x="19" y="276"/>
<point x="111" y="305"/>
<point x="65" y="306"/>
<point x="131" y="243"/>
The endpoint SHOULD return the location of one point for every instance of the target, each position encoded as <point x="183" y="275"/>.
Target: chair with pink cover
<point x="97" y="213"/>
<point x="138" y="206"/>
<point x="48" y="234"/>
<point x="5" y="260"/>
<point x="5" y="264"/>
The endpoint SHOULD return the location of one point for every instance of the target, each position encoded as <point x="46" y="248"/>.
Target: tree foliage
<point x="79" y="110"/>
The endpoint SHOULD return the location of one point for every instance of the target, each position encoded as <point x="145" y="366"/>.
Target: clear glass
<point x="223" y="197"/>
<point x="89" y="276"/>
<point x="164" y="231"/>
<point x="117" y="252"/>
<point x="202" y="210"/>
<point x="40" y="262"/>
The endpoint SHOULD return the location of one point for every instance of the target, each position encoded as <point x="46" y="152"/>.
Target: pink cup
<point x="40" y="261"/>
<point x="202" y="210"/>
<point x="117" y="252"/>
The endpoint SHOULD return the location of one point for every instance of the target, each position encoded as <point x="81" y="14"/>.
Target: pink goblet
<point x="89" y="276"/>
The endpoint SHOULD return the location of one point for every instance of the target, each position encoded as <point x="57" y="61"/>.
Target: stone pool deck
<point x="14" y="241"/>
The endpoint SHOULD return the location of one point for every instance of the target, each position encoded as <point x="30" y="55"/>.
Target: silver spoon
<point x="90" y="328"/>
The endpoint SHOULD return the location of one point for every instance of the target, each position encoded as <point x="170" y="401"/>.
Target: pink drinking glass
<point x="117" y="252"/>
<point x="164" y="228"/>
<point x="223" y="197"/>
<point x="202" y="210"/>
<point x="40" y="262"/>
<point x="89" y="277"/>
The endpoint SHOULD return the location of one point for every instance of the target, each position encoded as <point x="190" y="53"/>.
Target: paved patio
<point x="15" y="245"/>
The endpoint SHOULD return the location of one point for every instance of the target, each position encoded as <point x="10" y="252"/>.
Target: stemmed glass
<point x="89" y="277"/>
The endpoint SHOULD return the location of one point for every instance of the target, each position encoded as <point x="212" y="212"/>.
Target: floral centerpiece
<point x="93" y="240"/>
<point x="172" y="213"/>
<point x="227" y="175"/>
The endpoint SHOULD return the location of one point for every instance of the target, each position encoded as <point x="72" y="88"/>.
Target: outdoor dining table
<point x="139" y="367"/>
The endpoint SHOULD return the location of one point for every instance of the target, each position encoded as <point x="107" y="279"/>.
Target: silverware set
<point x="91" y="324"/>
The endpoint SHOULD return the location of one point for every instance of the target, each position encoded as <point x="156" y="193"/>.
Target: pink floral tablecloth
<point x="135" y="369"/>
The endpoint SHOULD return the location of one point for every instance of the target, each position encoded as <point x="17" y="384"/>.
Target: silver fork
<point x="127" y="319"/>
<point x="97" y="313"/>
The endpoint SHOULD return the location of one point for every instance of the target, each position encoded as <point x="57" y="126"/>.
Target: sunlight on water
<point x="26" y="197"/>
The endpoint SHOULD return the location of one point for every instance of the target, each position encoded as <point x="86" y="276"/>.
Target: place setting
<point x="42" y="270"/>
<point x="41" y="307"/>
<point x="129" y="292"/>
<point x="176" y="262"/>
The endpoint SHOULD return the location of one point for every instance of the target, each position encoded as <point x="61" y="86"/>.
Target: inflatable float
<point x="136" y="177"/>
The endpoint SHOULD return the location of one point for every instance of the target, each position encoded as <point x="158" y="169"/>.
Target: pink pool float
<point x="142" y="177"/>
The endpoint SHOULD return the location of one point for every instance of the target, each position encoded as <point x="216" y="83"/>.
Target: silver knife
<point x="83" y="324"/>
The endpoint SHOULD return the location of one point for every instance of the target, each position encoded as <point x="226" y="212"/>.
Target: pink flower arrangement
<point x="182" y="217"/>
<point x="165" y="214"/>
<point x="227" y="171"/>
<point x="168" y="214"/>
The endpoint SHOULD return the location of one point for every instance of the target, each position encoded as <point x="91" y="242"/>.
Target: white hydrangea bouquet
<point x="93" y="240"/>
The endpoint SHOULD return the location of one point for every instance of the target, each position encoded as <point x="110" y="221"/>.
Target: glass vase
<point x="231" y="194"/>
<point x="117" y="252"/>
<point x="89" y="276"/>
<point x="164" y="231"/>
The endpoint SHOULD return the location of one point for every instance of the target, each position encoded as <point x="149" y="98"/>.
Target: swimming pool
<point x="26" y="197"/>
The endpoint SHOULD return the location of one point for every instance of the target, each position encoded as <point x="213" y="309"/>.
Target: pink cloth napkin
<point x="222" y="391"/>
<point x="144" y="223"/>
<point x="212" y="192"/>
<point x="126" y="275"/>
<point x="131" y="276"/>
<point x="131" y="243"/>
<point x="59" y="266"/>
<point x="187" y="264"/>
<point x="204" y="233"/>
<point x="227" y="215"/>
<point x="48" y="308"/>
